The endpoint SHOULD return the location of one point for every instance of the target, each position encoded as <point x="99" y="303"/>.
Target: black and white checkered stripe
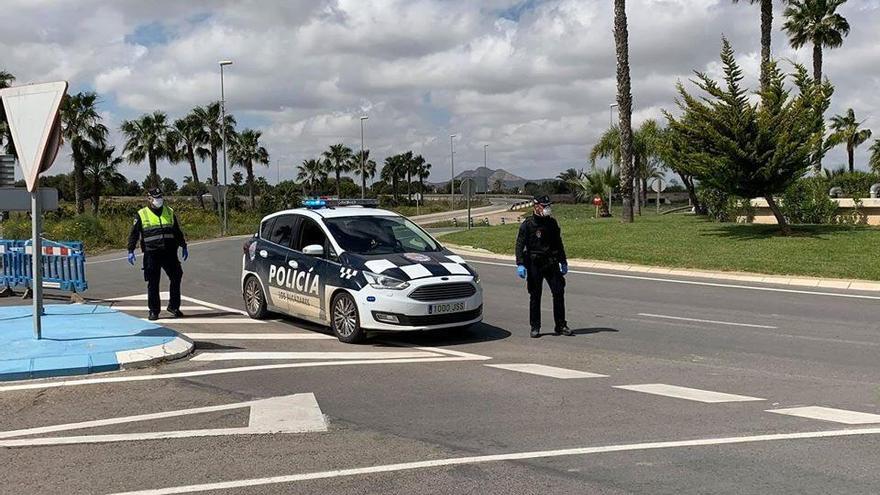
<point x="403" y="269"/>
<point x="347" y="273"/>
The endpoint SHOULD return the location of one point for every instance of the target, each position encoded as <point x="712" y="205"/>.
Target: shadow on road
<point x="482" y="332"/>
<point x="588" y="331"/>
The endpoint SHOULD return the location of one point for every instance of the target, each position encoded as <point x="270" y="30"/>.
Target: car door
<point x="312" y="271"/>
<point x="275" y="253"/>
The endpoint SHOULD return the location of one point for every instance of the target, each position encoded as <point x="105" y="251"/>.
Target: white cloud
<point x="536" y="87"/>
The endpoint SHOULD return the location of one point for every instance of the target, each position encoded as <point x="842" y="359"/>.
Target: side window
<point x="310" y="233"/>
<point x="266" y="228"/>
<point x="282" y="230"/>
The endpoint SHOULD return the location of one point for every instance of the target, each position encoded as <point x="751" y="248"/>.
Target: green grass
<point x="435" y="207"/>
<point x="687" y="241"/>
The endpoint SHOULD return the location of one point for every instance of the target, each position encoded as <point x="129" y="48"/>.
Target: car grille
<point x="441" y="319"/>
<point x="443" y="292"/>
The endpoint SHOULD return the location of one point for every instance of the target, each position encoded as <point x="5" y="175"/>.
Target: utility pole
<point x="363" y="168"/>
<point x="452" y="179"/>
<point x="223" y="130"/>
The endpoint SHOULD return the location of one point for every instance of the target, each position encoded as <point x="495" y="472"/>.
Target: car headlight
<point x="476" y="278"/>
<point x="378" y="281"/>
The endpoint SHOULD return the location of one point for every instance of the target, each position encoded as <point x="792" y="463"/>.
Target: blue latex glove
<point x="131" y="258"/>
<point x="185" y="254"/>
<point x="563" y="267"/>
<point x="521" y="271"/>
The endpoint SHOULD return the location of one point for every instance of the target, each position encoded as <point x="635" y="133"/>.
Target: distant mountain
<point x="507" y="178"/>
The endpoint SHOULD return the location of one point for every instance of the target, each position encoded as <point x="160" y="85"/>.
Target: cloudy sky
<point x="533" y="79"/>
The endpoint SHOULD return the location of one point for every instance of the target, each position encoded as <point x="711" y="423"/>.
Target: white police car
<point x="356" y="269"/>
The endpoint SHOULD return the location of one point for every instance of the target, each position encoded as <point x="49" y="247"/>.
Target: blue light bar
<point x="314" y="203"/>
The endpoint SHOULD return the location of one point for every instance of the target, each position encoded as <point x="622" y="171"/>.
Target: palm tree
<point x="187" y="137"/>
<point x="816" y="22"/>
<point x="423" y="172"/>
<point x="209" y="117"/>
<point x="338" y="160"/>
<point x="369" y="167"/>
<point x="412" y="166"/>
<point x="607" y="147"/>
<point x="874" y="162"/>
<point x="845" y="129"/>
<point x="646" y="152"/>
<point x="599" y="182"/>
<point x="5" y="81"/>
<point x="624" y="103"/>
<point x="245" y="152"/>
<point x="311" y="171"/>
<point x="81" y="126"/>
<point x="766" y="30"/>
<point x="392" y="171"/>
<point x="101" y="168"/>
<point x="147" y="139"/>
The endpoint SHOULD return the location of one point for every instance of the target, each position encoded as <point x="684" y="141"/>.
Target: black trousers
<point x="154" y="263"/>
<point x="536" y="273"/>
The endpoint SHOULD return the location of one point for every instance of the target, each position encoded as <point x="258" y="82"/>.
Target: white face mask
<point x="157" y="202"/>
<point x="546" y="211"/>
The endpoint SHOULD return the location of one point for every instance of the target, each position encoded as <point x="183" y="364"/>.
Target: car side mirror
<point x="314" y="250"/>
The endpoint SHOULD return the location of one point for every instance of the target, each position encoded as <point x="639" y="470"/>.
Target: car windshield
<point x="379" y="235"/>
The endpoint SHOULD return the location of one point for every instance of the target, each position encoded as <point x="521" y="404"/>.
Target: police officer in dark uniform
<point x="159" y="233"/>
<point x="540" y="256"/>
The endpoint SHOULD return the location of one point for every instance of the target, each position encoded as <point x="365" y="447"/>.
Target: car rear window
<point x="266" y="229"/>
<point x="282" y="230"/>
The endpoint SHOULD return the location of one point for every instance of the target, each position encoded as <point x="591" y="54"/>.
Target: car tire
<point x="344" y="319"/>
<point x="254" y="298"/>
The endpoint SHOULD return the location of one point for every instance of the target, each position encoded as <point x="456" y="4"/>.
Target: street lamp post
<point x="486" y="166"/>
<point x="452" y="163"/>
<point x="223" y="63"/>
<point x="363" y="167"/>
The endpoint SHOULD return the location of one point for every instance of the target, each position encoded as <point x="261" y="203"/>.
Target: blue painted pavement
<point x="77" y="339"/>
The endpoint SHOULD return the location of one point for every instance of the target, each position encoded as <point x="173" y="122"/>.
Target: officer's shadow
<point x="592" y="330"/>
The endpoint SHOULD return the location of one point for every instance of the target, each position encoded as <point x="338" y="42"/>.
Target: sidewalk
<point x="790" y="280"/>
<point x="79" y="339"/>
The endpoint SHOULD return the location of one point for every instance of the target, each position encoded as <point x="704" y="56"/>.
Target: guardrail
<point x="62" y="265"/>
<point x="521" y="205"/>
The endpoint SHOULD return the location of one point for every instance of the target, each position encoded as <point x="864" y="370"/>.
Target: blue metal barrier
<point x="9" y="250"/>
<point x="63" y="265"/>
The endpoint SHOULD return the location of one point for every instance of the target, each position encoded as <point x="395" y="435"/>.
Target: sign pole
<point x="37" y="262"/>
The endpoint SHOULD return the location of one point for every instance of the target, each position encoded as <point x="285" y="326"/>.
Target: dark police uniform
<point x="539" y="248"/>
<point x="160" y="236"/>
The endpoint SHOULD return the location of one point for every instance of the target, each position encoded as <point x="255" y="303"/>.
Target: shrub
<point x="718" y="204"/>
<point x="807" y="201"/>
<point x="854" y="184"/>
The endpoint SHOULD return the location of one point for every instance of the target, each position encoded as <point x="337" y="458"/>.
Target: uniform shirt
<point x="137" y="228"/>
<point x="539" y="237"/>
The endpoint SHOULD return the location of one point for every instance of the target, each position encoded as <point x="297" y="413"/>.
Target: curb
<point x="99" y="362"/>
<point x="797" y="281"/>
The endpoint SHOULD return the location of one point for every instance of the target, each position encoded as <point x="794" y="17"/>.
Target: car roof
<point x="335" y="212"/>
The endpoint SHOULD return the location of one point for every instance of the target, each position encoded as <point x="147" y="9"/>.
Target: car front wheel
<point x="254" y="298"/>
<point x="345" y="321"/>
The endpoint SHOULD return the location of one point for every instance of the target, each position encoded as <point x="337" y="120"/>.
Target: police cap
<point x="542" y="200"/>
<point x="154" y="192"/>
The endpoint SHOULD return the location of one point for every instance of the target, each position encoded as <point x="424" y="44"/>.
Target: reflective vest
<point x="157" y="230"/>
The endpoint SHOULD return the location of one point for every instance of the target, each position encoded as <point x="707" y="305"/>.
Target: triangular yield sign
<point x="32" y="114"/>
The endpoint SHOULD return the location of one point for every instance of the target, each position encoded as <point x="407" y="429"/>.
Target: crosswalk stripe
<point x="830" y="414"/>
<point x="212" y="321"/>
<point x="551" y="371"/>
<point x="686" y="393"/>
<point x="258" y="336"/>
<point x="258" y="355"/>
<point x="145" y="308"/>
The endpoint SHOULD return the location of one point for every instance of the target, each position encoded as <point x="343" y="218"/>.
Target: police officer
<point x="159" y="233"/>
<point x="540" y="256"/>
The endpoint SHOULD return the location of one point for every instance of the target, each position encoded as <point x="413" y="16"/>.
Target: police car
<point x="356" y="268"/>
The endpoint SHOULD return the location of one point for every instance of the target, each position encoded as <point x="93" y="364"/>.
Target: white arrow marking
<point x="297" y="413"/>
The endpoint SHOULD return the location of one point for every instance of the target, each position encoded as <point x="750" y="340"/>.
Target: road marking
<point x="164" y="296"/>
<point x="830" y="414"/>
<point x="145" y="308"/>
<point x="213" y="321"/>
<point x="36" y="385"/>
<point x="297" y="413"/>
<point x="694" y="282"/>
<point x="516" y="456"/>
<point x="686" y="393"/>
<point x="551" y="371"/>
<point x="258" y="336"/>
<point x="438" y="350"/>
<point x="342" y="355"/>
<point x="210" y="241"/>
<point x="716" y="322"/>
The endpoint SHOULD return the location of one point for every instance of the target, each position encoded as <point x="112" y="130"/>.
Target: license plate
<point x="435" y="309"/>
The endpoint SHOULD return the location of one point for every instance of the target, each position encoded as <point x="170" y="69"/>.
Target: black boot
<point x="564" y="330"/>
<point x="153" y="316"/>
<point x="535" y="333"/>
<point x="176" y="312"/>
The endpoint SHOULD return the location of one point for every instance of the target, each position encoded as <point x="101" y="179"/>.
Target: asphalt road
<point x="440" y="412"/>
